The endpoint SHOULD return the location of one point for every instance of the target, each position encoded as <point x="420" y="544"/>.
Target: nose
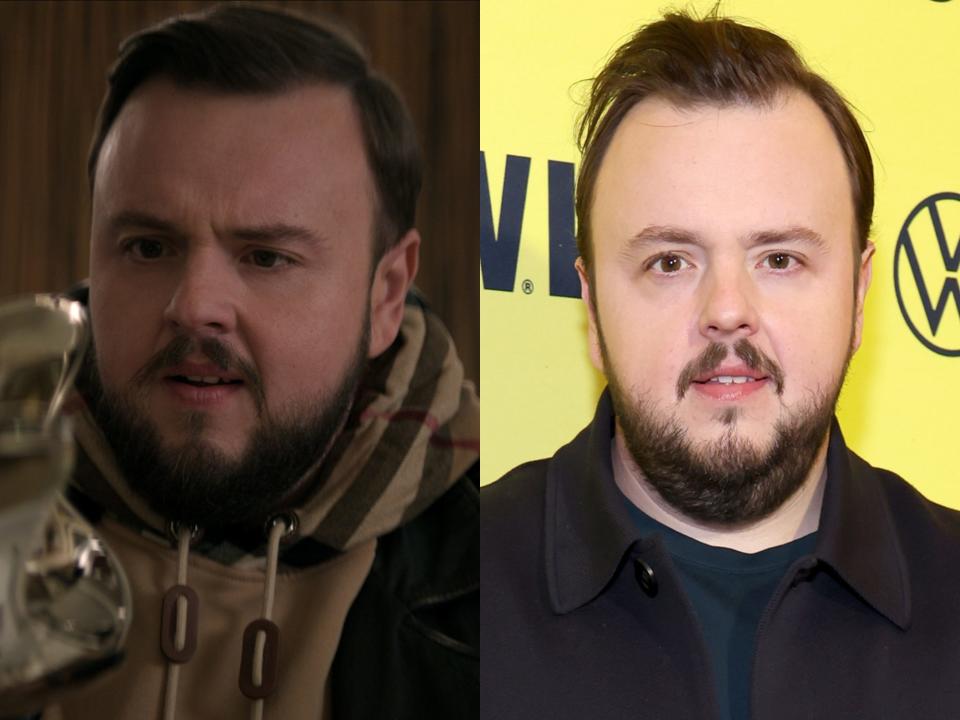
<point x="202" y="301"/>
<point x="729" y="309"/>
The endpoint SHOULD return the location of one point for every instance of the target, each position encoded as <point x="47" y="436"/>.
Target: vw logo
<point x="925" y="272"/>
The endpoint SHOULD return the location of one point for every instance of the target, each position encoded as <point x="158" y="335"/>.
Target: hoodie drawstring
<point x="261" y="638"/>
<point x="178" y="623"/>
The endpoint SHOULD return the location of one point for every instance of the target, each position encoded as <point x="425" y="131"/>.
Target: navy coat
<point x="583" y="617"/>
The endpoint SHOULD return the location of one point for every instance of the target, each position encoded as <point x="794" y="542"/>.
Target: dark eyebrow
<point x="269" y="232"/>
<point x="797" y="234"/>
<point x="678" y="236"/>
<point x="275" y="232"/>
<point x="138" y="219"/>
<point x="663" y="234"/>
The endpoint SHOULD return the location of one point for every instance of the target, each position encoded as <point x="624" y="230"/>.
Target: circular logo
<point x="925" y="272"/>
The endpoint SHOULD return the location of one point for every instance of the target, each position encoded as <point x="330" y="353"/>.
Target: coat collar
<point x="858" y="537"/>
<point x="589" y="528"/>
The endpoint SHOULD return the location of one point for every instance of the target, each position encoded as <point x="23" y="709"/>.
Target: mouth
<point x="201" y="385"/>
<point x="202" y="374"/>
<point x="201" y="392"/>
<point x="715" y="374"/>
<point x="730" y="380"/>
<point x="204" y="380"/>
<point x="730" y="383"/>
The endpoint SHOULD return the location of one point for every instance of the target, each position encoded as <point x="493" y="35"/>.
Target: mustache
<point x="715" y="353"/>
<point x="216" y="351"/>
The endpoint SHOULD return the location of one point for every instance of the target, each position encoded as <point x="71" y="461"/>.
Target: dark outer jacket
<point x="409" y="644"/>
<point x="583" y="617"/>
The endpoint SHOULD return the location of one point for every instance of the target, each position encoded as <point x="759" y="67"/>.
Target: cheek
<point x="648" y="343"/>
<point x="125" y="329"/>
<point x="811" y="337"/>
<point x="305" y="353"/>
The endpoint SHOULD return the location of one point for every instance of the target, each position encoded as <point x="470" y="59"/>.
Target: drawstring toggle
<point x="258" y="666"/>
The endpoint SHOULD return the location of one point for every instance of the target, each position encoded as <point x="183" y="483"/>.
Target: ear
<point x="593" y="336"/>
<point x="392" y="278"/>
<point x="864" y="276"/>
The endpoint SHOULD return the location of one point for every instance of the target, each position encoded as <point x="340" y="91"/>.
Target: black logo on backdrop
<point x="500" y="242"/>
<point x="925" y="224"/>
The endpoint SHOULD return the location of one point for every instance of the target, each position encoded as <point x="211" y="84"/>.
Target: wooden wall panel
<point x="53" y="62"/>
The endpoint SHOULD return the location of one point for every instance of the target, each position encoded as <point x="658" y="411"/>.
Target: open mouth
<point x="713" y="375"/>
<point x="730" y="380"/>
<point x="204" y="381"/>
<point x="730" y="384"/>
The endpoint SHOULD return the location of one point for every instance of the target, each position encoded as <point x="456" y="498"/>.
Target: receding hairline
<point x="777" y="100"/>
<point x="175" y="93"/>
<point x="201" y="89"/>
<point x="714" y="59"/>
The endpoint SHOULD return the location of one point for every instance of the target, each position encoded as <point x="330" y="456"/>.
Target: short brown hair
<point x="714" y="60"/>
<point x="247" y="49"/>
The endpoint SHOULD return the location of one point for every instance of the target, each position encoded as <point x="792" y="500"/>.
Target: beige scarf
<point x="413" y="432"/>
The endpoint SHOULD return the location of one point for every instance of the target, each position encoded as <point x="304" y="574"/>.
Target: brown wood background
<point x="54" y="58"/>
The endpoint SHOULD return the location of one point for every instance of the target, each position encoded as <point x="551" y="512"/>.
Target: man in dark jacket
<point x="708" y="547"/>
<point x="275" y="434"/>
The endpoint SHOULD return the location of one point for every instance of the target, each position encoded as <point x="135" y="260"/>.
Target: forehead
<point x="267" y="153"/>
<point x="719" y="171"/>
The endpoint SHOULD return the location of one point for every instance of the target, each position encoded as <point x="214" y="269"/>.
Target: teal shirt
<point x="729" y="591"/>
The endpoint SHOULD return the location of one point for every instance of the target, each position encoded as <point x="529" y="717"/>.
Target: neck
<point x="795" y="518"/>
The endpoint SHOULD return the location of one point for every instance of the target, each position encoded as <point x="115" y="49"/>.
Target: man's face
<point x="716" y="230"/>
<point x="239" y="221"/>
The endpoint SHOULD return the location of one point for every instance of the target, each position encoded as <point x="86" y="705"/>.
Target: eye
<point x="268" y="259"/>
<point x="145" y="248"/>
<point x="668" y="264"/>
<point x="779" y="261"/>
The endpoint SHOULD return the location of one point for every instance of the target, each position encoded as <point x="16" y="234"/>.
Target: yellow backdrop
<point x="897" y="61"/>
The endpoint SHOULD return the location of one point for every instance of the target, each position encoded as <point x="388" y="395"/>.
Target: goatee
<point x="195" y="483"/>
<point x="728" y="480"/>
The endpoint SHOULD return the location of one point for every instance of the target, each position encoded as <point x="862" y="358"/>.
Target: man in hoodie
<point x="276" y="436"/>
<point x="708" y="547"/>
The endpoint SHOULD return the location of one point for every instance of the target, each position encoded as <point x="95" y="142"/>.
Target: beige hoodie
<point x="413" y="433"/>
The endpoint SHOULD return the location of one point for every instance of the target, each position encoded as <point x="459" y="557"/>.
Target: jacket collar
<point x="588" y="526"/>
<point x="857" y="535"/>
<point x="589" y="529"/>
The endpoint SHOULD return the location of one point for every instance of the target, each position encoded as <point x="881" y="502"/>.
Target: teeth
<point x="206" y="379"/>
<point x="730" y="379"/>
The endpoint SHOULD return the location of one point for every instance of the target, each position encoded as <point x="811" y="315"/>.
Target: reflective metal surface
<point x="64" y="599"/>
<point x="38" y="336"/>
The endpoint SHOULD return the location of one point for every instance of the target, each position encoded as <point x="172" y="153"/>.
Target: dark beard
<point x="197" y="484"/>
<point x="728" y="481"/>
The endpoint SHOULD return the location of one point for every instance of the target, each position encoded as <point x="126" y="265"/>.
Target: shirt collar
<point x="589" y="528"/>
